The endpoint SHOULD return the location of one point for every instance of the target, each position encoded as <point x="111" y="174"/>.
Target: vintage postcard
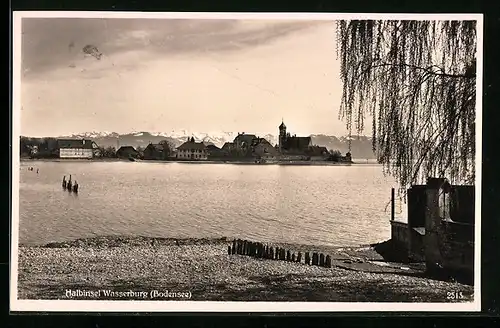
<point x="180" y="162"/>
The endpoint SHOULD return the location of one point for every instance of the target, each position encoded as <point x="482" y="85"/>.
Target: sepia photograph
<point x="246" y="162"/>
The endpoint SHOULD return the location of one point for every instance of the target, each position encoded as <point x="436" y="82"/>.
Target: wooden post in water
<point x="315" y="259"/>
<point x="233" y="250"/>
<point x="240" y="247"/>
<point x="271" y="253"/>
<point x="293" y="257"/>
<point x="308" y="258"/>
<point x="328" y="262"/>
<point x="322" y="260"/>
<point x="229" y="250"/>
<point x="393" y="205"/>
<point x="299" y="257"/>
<point x="288" y="255"/>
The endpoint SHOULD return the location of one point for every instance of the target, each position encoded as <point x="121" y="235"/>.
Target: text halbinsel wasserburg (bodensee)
<point x="128" y="294"/>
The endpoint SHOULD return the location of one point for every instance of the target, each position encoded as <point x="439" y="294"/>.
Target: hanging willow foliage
<point x="417" y="82"/>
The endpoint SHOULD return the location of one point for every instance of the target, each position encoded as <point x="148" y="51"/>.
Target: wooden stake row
<point x="260" y="250"/>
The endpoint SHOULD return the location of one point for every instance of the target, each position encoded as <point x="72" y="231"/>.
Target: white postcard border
<point x="202" y="306"/>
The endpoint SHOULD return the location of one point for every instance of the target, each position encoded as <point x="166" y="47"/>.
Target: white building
<point x="191" y="150"/>
<point x="76" y="148"/>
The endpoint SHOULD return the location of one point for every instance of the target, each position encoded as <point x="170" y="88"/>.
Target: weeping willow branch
<point x="426" y="69"/>
<point x="416" y="80"/>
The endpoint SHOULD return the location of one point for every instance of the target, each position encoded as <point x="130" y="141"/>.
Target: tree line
<point x="47" y="147"/>
<point x="38" y="147"/>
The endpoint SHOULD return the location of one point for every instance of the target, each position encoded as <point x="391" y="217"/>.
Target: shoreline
<point x="106" y="241"/>
<point x="284" y="163"/>
<point x="203" y="267"/>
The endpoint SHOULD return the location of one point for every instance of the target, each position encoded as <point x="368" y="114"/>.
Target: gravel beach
<point x="201" y="269"/>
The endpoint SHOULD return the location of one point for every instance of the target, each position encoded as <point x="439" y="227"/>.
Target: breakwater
<point x="265" y="251"/>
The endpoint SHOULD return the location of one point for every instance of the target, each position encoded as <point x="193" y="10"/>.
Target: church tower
<point x="282" y="138"/>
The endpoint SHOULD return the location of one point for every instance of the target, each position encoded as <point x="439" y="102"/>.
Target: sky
<point x="161" y="75"/>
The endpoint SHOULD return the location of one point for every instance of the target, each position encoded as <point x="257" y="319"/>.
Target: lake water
<point x="325" y="205"/>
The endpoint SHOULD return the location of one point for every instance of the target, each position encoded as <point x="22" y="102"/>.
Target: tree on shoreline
<point x="417" y="82"/>
<point x="335" y="155"/>
<point x="168" y="148"/>
<point x="108" y="152"/>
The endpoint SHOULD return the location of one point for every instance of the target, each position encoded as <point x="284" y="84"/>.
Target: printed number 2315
<point x="454" y="296"/>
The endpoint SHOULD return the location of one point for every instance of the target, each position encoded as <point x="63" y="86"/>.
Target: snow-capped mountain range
<point x="177" y="137"/>
<point x="361" y="147"/>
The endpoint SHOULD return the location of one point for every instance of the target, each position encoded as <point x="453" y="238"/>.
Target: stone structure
<point x="440" y="228"/>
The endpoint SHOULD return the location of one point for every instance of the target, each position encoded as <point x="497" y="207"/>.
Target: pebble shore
<point x="203" y="268"/>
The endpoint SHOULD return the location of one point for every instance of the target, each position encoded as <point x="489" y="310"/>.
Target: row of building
<point x="244" y="145"/>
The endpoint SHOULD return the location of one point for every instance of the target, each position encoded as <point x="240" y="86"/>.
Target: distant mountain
<point x="143" y="138"/>
<point x="361" y="146"/>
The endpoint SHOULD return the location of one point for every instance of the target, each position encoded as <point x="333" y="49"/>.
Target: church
<point x="292" y="145"/>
